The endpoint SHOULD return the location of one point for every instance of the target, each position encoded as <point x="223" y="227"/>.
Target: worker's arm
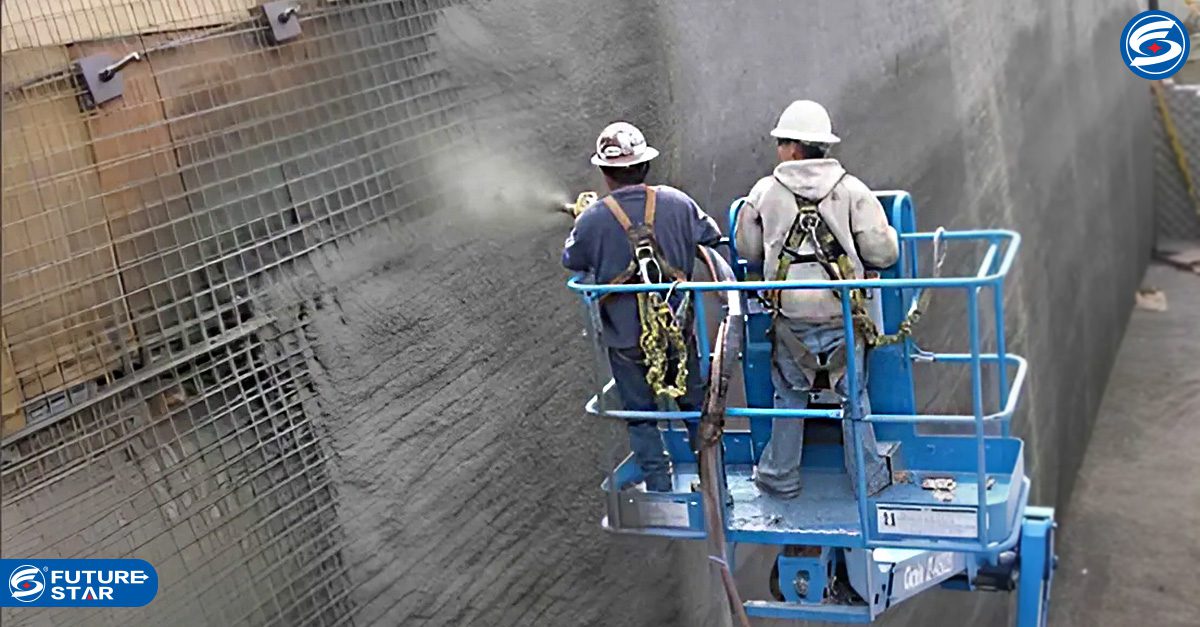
<point x="704" y="228"/>
<point x="750" y="227"/>
<point x="877" y="243"/>
<point x="576" y="251"/>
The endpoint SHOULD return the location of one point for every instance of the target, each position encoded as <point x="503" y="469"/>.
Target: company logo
<point x="935" y="567"/>
<point x="1155" y="45"/>
<point x="79" y="583"/>
<point x="26" y="583"/>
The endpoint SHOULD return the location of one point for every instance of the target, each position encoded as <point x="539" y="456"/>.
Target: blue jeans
<point x="645" y="439"/>
<point x="778" y="469"/>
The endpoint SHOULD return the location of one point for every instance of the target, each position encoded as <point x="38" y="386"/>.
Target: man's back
<point x="598" y="245"/>
<point x="848" y="209"/>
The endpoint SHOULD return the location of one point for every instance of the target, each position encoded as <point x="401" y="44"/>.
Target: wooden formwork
<point x="37" y="23"/>
<point x="62" y="301"/>
<point x="142" y="193"/>
<point x="12" y="417"/>
<point x="134" y="232"/>
<point x="98" y="235"/>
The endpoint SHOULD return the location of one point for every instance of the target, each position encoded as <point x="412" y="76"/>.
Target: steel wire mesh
<point x="153" y="405"/>
<point x="1176" y="215"/>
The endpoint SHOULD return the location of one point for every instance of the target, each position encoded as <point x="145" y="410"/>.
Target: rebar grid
<point x="152" y="406"/>
<point x="1177" y="216"/>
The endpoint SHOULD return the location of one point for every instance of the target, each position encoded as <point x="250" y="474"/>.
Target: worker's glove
<point x="583" y="201"/>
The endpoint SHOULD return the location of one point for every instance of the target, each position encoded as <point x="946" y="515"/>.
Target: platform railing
<point x="996" y="262"/>
<point x="1006" y="413"/>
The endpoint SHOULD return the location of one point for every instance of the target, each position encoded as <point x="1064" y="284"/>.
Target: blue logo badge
<point x="78" y="583"/>
<point x="1155" y="45"/>
<point x="26" y="583"/>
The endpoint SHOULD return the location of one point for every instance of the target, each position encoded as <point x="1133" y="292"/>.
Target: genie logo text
<point x="78" y="583"/>
<point x="1155" y="45"/>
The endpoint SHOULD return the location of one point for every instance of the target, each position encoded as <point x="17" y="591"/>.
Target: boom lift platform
<point x="956" y="514"/>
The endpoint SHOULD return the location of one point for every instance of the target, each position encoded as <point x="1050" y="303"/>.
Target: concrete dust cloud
<point x="503" y="175"/>
<point x="488" y="187"/>
<point x="538" y="98"/>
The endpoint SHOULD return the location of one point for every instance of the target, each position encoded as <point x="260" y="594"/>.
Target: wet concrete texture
<point x="450" y="369"/>
<point x="1131" y="532"/>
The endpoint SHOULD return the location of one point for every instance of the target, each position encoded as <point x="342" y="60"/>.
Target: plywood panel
<point x="143" y="197"/>
<point x="11" y="423"/>
<point x="62" y="301"/>
<point x="12" y="417"/>
<point x="34" y="23"/>
<point x="217" y="95"/>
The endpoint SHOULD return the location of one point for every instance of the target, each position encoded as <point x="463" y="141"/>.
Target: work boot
<point x="768" y="485"/>
<point x="659" y="483"/>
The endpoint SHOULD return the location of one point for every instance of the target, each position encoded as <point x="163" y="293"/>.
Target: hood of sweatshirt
<point x="811" y="179"/>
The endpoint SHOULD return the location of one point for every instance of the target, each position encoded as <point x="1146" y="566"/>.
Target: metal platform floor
<point x="826" y="503"/>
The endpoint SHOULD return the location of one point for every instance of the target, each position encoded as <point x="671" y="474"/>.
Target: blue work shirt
<point x="599" y="247"/>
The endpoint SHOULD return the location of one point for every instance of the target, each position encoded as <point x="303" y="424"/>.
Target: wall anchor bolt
<point x="101" y="77"/>
<point x="283" y="18"/>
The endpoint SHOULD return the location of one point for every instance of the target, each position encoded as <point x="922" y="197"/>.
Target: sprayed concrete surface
<point x="450" y="366"/>
<point x="1130" y="536"/>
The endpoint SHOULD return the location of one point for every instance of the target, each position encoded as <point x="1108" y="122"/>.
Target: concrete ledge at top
<point x="37" y="23"/>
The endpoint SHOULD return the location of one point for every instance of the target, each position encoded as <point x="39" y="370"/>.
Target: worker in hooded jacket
<point x="810" y="321"/>
<point x="599" y="246"/>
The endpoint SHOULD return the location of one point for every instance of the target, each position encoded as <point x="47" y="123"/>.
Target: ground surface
<point x="1129" y="540"/>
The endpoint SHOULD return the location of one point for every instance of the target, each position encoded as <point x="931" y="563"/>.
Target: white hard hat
<point x="621" y="144"/>
<point x="806" y="121"/>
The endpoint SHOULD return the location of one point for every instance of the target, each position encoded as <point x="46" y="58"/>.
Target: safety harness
<point x="662" y="325"/>
<point x="828" y="252"/>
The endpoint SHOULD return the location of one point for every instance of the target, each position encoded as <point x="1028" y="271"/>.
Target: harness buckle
<point x="644" y="254"/>
<point x="810" y="221"/>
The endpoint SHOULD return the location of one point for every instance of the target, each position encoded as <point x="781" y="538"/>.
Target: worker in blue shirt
<point x="602" y="244"/>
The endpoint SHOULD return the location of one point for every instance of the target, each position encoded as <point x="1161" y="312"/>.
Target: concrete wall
<point x="453" y="356"/>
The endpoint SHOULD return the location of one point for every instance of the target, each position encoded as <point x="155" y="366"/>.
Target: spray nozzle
<point x="583" y="201"/>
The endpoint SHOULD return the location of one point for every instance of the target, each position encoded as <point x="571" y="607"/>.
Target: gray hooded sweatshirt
<point x="852" y="213"/>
